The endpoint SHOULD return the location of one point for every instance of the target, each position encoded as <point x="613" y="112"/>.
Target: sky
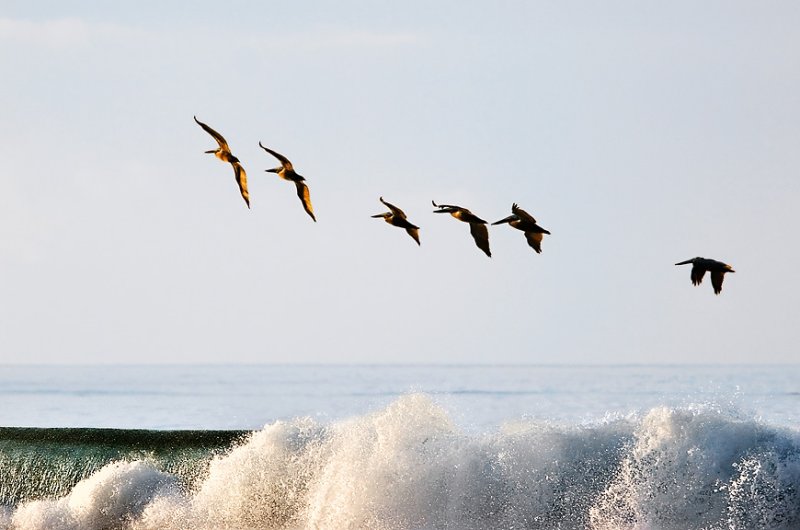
<point x="639" y="133"/>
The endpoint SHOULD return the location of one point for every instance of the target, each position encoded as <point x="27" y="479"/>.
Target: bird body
<point x="477" y="226"/>
<point x="223" y="152"/>
<point x="396" y="217"/>
<point x="702" y="265"/>
<point x="286" y="172"/>
<point x="522" y="220"/>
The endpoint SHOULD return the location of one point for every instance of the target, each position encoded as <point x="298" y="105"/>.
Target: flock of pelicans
<point x="519" y="218"/>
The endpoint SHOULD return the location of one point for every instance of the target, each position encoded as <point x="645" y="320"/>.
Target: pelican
<point x="223" y="152"/>
<point x="396" y="217"/>
<point x="286" y="172"/>
<point x="701" y="265"/>
<point x="522" y="220"/>
<point x="477" y="226"/>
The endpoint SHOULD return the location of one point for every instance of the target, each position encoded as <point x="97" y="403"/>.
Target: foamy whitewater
<point x="415" y="461"/>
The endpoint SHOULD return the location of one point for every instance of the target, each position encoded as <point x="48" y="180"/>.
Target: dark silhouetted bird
<point x="477" y="226"/>
<point x="223" y="152"/>
<point x="522" y="220"/>
<point x="286" y="172"/>
<point x="396" y="217"/>
<point x="716" y="268"/>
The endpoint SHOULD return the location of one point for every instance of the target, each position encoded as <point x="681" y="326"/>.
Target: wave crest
<point x="409" y="467"/>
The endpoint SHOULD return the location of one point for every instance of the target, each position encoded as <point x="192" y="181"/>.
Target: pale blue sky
<point x="640" y="134"/>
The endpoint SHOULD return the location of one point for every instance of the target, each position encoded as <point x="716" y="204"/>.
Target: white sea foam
<point x="694" y="468"/>
<point x="409" y="467"/>
<point x="111" y="498"/>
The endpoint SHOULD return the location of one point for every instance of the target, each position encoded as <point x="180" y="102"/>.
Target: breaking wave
<point x="409" y="467"/>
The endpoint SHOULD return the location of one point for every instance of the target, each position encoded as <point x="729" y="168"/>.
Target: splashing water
<point x="408" y="466"/>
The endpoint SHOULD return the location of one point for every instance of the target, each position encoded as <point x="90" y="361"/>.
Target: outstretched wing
<point x="414" y="233"/>
<point x="217" y="136"/>
<point x="402" y="222"/>
<point x="716" y="281"/>
<point x="284" y="161"/>
<point x="305" y="198"/>
<point x="395" y="210"/>
<point x="522" y="214"/>
<point x="468" y="217"/>
<point x="481" y="236"/>
<point x="535" y="241"/>
<point x="241" y="180"/>
<point x="697" y="274"/>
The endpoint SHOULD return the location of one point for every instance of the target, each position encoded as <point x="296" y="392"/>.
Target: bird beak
<point x="684" y="262"/>
<point x="506" y="220"/>
<point x="731" y="270"/>
<point x="273" y="170"/>
<point x="210" y="152"/>
<point x="377" y="215"/>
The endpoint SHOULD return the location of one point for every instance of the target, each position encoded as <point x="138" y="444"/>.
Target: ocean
<point x="400" y="447"/>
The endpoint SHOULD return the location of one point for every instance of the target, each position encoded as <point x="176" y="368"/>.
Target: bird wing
<point x="241" y="180"/>
<point x="469" y="217"/>
<point x="305" y="198"/>
<point x="716" y="281"/>
<point x="481" y="236"/>
<point x="535" y="241"/>
<point x="284" y="161"/>
<point x="522" y="214"/>
<point x="719" y="265"/>
<point x="395" y="210"/>
<point x="697" y="274"/>
<point x="414" y="233"/>
<point x="217" y="136"/>
<point x="402" y="222"/>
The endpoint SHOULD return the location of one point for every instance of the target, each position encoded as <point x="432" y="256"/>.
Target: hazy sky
<point x="639" y="133"/>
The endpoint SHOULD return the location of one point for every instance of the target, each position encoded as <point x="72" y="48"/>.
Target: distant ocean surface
<point x="400" y="447"/>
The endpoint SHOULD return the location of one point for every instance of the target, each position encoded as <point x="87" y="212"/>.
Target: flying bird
<point x="286" y="172"/>
<point x="522" y="220"/>
<point x="396" y="217"/>
<point x="477" y="226"/>
<point x="223" y="152"/>
<point x="701" y="265"/>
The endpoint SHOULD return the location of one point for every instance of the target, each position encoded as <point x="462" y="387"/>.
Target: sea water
<point x="400" y="447"/>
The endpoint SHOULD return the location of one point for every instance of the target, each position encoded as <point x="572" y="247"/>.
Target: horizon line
<point x="402" y="364"/>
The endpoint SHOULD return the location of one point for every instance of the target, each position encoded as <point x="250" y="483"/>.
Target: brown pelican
<point x="223" y="152"/>
<point x="522" y="220"/>
<point x="397" y="217"/>
<point x="286" y="172"/>
<point x="701" y="265"/>
<point x="477" y="226"/>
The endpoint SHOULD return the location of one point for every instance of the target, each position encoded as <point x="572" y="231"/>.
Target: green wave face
<point x="46" y="463"/>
